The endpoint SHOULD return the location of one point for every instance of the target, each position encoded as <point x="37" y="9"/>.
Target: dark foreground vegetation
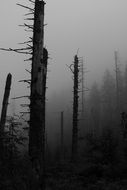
<point x="101" y="164"/>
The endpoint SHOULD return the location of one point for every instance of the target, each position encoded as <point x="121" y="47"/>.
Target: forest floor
<point x="68" y="176"/>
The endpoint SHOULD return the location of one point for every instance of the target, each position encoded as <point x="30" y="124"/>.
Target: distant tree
<point x="125" y="89"/>
<point x="119" y="86"/>
<point x="101" y="149"/>
<point x="108" y="94"/>
<point x="121" y="90"/>
<point x="95" y="108"/>
<point x="75" y="109"/>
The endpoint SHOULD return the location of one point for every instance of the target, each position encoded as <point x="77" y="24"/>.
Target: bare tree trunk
<point x="45" y="59"/>
<point x="37" y="97"/>
<point x="4" y="111"/>
<point x="75" y="111"/>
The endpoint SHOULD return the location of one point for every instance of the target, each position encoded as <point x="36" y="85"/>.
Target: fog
<point x="95" y="28"/>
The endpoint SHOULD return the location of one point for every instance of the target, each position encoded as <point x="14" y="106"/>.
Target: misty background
<point x="96" y="28"/>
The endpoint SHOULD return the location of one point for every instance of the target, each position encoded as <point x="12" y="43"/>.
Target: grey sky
<point x="96" y="27"/>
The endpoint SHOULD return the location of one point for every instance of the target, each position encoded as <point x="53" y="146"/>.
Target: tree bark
<point x="37" y="97"/>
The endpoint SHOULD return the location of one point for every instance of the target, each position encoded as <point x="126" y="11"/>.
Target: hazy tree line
<point x="105" y="110"/>
<point x="102" y="135"/>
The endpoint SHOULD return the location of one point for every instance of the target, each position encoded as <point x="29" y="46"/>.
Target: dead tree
<point x="34" y="47"/>
<point x="37" y="96"/>
<point x="4" y="110"/>
<point x="75" y="109"/>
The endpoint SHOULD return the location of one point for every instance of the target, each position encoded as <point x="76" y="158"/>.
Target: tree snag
<point x="75" y="110"/>
<point x="4" y="112"/>
<point x="37" y="96"/>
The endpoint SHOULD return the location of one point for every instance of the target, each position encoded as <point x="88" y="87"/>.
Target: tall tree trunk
<point x="75" y="111"/>
<point x="4" y="112"/>
<point x="37" y="97"/>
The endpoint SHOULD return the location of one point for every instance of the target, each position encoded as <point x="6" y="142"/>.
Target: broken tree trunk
<point x="4" y="111"/>
<point x="37" y="97"/>
<point x="75" y="111"/>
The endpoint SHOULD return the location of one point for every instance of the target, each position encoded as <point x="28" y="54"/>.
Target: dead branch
<point x="30" y="41"/>
<point x="28" y="30"/>
<point x="29" y="14"/>
<point x="26" y="25"/>
<point x="70" y="67"/>
<point x="30" y="59"/>
<point x="25" y="7"/>
<point x="20" y="97"/>
<point x="30" y="46"/>
<point x="28" y="71"/>
<point x="32" y="1"/>
<point x="29" y="19"/>
<point x="17" y="50"/>
<point x="27" y="81"/>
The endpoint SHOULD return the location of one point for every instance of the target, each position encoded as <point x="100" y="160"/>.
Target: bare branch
<point x="29" y="14"/>
<point x="29" y="19"/>
<point x="20" y="97"/>
<point x="17" y="50"/>
<point x="32" y="1"/>
<point x="25" y="7"/>
<point x="26" y="25"/>
<point x="30" y="59"/>
<point x="28" y="71"/>
<point x="30" y="41"/>
<point x="28" y="30"/>
<point x="28" y="81"/>
<point x="70" y="67"/>
<point x="30" y="46"/>
<point x="29" y="26"/>
<point x="21" y="49"/>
